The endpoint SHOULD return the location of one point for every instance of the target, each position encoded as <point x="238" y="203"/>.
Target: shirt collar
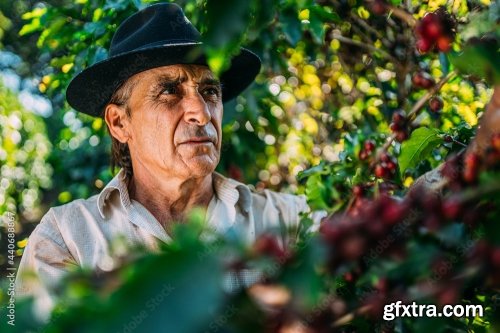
<point x="232" y="193"/>
<point x="117" y="183"/>
<point x="229" y="191"/>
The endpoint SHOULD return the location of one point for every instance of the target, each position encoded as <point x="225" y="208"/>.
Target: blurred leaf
<point x="302" y="276"/>
<point x="225" y="24"/>
<point x="482" y="23"/>
<point x="481" y="59"/>
<point x="160" y="291"/>
<point x="291" y="25"/>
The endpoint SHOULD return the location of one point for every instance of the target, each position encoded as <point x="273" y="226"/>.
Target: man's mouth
<point x="198" y="141"/>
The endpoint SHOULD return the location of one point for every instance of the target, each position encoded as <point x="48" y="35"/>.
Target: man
<point x="163" y="109"/>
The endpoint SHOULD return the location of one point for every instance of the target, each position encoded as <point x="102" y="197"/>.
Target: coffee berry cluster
<point x="399" y="125"/>
<point x="435" y="31"/>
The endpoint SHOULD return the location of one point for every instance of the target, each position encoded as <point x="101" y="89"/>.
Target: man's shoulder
<point x="89" y="204"/>
<point x="74" y="211"/>
<point x="279" y="199"/>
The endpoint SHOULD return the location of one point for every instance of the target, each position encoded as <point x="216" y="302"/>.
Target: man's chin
<point x="200" y="166"/>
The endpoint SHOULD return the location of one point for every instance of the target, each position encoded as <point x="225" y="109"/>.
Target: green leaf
<point x="317" y="192"/>
<point x="324" y="14"/>
<point x="481" y="59"/>
<point x="302" y="277"/>
<point x="291" y="26"/>
<point x="316" y="27"/>
<point x="421" y="143"/>
<point x="226" y="22"/>
<point x="320" y="168"/>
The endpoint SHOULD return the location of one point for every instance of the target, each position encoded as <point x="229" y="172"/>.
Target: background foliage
<point x="335" y="76"/>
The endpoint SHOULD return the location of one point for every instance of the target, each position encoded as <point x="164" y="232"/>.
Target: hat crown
<point x="159" y="24"/>
<point x="156" y="36"/>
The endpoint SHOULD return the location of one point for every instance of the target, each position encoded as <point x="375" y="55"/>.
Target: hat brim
<point x="91" y="89"/>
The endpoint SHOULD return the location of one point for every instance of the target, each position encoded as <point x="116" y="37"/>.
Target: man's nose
<point x="196" y="109"/>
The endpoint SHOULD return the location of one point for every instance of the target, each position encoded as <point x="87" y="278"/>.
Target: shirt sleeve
<point x="45" y="261"/>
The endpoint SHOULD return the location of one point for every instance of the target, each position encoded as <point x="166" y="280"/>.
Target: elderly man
<point x="163" y="109"/>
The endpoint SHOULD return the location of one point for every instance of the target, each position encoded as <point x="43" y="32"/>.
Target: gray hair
<point x="120" y="153"/>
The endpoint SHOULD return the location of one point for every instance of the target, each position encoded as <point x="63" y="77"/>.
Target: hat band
<point x="168" y="42"/>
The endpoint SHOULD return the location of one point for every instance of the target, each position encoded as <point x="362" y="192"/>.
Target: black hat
<point x="156" y="36"/>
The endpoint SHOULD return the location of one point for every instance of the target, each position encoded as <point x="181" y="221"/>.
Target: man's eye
<point x="211" y="91"/>
<point x="173" y="90"/>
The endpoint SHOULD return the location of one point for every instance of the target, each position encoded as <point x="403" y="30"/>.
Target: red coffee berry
<point x="417" y="79"/>
<point x="352" y="247"/>
<point x="469" y="175"/>
<point x="399" y="117"/>
<point x="330" y="232"/>
<point x="451" y="169"/>
<point x="448" y="296"/>
<point x="391" y="166"/>
<point x="436" y="104"/>
<point x="382" y="285"/>
<point x="401" y="136"/>
<point x="381" y="172"/>
<point x="369" y="146"/>
<point x="349" y="277"/>
<point x="424" y="45"/>
<point x="393" y="213"/>
<point x="431" y="203"/>
<point x="363" y="155"/>
<point x="432" y="222"/>
<point x="398" y="121"/>
<point x="395" y="127"/>
<point x="358" y="190"/>
<point x="268" y="245"/>
<point x="428" y="82"/>
<point x="495" y="141"/>
<point x="472" y="160"/>
<point x="451" y="209"/>
<point x="431" y="26"/>
<point x="378" y="7"/>
<point x="492" y="157"/>
<point x="423" y="80"/>
<point x="471" y="166"/>
<point x="444" y="43"/>
<point x="448" y="138"/>
<point x="495" y="257"/>
<point x="375" y="303"/>
<point x="235" y="172"/>
<point x="385" y="157"/>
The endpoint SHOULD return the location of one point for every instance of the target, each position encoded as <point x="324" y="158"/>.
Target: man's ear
<point x="117" y="120"/>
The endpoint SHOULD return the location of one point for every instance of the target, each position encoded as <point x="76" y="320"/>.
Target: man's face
<point x="175" y="124"/>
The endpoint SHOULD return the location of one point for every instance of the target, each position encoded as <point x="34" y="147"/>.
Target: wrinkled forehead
<point x="196" y="73"/>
